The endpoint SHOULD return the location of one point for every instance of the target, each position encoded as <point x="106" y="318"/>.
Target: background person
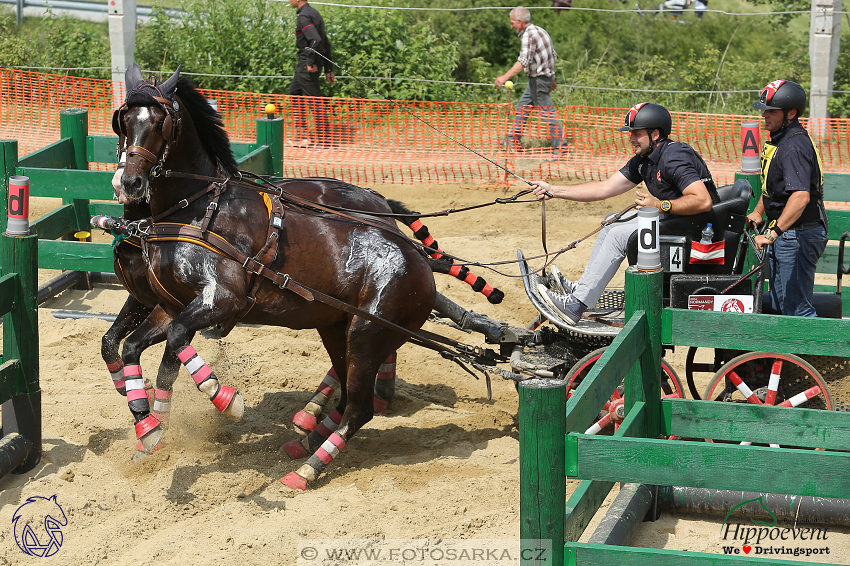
<point x="310" y="32"/>
<point x="678" y="182"/>
<point x="537" y="57"/>
<point x="792" y="200"/>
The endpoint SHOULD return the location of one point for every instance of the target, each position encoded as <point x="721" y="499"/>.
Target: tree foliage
<point x="604" y="58"/>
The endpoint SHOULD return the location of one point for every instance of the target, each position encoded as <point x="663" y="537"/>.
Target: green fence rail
<point x="552" y="447"/>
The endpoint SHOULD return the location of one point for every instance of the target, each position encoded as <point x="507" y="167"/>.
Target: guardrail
<point x="84" y="7"/>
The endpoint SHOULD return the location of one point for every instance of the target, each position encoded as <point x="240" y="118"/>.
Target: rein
<point x="345" y="213"/>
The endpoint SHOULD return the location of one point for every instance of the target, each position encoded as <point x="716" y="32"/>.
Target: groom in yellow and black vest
<point x="792" y="200"/>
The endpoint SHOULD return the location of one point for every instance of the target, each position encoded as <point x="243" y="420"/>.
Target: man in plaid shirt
<point x="537" y="57"/>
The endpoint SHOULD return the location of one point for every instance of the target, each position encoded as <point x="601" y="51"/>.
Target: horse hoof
<point x="149" y="432"/>
<point x="304" y="422"/>
<point x="229" y="402"/>
<point x="294" y="481"/>
<point x="380" y="405"/>
<point x="296" y="450"/>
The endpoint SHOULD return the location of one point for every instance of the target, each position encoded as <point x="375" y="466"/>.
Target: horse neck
<point x="187" y="155"/>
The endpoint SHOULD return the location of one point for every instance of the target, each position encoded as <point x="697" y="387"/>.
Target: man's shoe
<point x="558" y="283"/>
<point x="568" y="306"/>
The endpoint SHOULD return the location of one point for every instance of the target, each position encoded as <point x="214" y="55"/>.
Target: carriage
<point x="735" y="273"/>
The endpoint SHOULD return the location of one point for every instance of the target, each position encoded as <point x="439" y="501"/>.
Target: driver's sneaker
<point x="568" y="306"/>
<point x="557" y="282"/>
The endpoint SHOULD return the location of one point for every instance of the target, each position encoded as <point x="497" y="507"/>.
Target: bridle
<point x="171" y="127"/>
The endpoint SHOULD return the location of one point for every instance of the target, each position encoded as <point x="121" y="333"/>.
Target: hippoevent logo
<point x="769" y="539"/>
<point x="38" y="526"/>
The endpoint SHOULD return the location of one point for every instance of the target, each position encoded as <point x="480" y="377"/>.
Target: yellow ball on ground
<point x="270" y="108"/>
<point x="509" y="84"/>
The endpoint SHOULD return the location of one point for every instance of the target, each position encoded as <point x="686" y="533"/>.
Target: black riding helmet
<point x="649" y="116"/>
<point x="782" y="95"/>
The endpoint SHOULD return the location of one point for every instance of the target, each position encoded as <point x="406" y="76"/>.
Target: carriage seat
<point x="727" y="217"/>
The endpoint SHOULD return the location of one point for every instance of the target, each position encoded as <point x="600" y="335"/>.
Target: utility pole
<point x="122" y="42"/>
<point x="824" y="39"/>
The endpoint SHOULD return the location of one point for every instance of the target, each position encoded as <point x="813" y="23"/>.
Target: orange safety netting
<point x="381" y="141"/>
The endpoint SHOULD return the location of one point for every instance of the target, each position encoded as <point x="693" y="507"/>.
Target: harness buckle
<point x="183" y="203"/>
<point x="155" y="171"/>
<point x="212" y="205"/>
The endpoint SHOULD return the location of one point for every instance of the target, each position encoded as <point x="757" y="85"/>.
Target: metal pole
<point x="122" y="41"/>
<point x="824" y="41"/>
<point x="19" y="12"/>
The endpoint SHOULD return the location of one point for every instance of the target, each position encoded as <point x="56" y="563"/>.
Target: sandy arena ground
<point x="442" y="464"/>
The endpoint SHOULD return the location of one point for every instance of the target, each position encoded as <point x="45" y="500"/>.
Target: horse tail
<point x="439" y="262"/>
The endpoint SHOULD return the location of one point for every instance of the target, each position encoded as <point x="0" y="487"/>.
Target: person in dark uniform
<point x="310" y="32"/>
<point x="677" y="180"/>
<point x="791" y="199"/>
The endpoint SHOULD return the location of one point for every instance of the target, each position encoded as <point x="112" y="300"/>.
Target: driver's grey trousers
<point x="605" y="259"/>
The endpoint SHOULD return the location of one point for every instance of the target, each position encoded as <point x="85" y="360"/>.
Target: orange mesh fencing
<point x="404" y="142"/>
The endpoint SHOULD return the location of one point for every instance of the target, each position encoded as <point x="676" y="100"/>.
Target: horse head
<point x="148" y="124"/>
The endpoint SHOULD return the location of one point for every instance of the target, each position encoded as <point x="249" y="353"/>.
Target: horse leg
<point x="129" y="318"/>
<point x="365" y="348"/>
<point x="201" y="313"/>
<point x="334" y="341"/>
<point x="151" y="331"/>
<point x="169" y="367"/>
<point x="385" y="385"/>
<point x="306" y="419"/>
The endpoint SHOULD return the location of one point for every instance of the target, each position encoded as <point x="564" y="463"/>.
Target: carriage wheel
<point x="697" y="362"/>
<point x="768" y="378"/>
<point x="613" y="412"/>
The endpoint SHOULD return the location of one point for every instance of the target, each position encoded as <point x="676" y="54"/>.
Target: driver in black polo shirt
<point x="678" y="182"/>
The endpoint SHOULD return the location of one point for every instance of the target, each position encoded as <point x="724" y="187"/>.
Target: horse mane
<point x="208" y="124"/>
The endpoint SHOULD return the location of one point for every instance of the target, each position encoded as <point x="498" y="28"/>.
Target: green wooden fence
<point x="552" y="448"/>
<point x="20" y="394"/>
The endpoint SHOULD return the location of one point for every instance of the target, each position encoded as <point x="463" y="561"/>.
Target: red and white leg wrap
<point x="162" y="405"/>
<point x="384" y="385"/>
<point x="137" y="397"/>
<point x="226" y="399"/>
<point x="306" y="419"/>
<point x="316" y="464"/>
<point x="116" y="372"/>
<point x="195" y="365"/>
<point x="324" y="430"/>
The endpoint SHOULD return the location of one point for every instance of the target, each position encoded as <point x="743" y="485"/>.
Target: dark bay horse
<point x="291" y="272"/>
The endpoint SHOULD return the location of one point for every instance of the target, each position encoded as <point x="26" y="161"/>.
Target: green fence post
<point x="22" y="413"/>
<point x="643" y="293"/>
<point x="74" y="124"/>
<point x="542" y="468"/>
<point x="8" y="163"/>
<point x="270" y="133"/>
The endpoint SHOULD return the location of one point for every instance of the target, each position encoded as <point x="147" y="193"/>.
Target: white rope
<point x="614" y="89"/>
<point x="479" y="8"/>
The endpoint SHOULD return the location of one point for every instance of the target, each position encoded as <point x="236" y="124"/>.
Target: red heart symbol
<point x="747" y="549"/>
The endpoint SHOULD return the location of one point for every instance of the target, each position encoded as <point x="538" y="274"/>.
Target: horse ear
<point x="133" y="76"/>
<point x="169" y="86"/>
